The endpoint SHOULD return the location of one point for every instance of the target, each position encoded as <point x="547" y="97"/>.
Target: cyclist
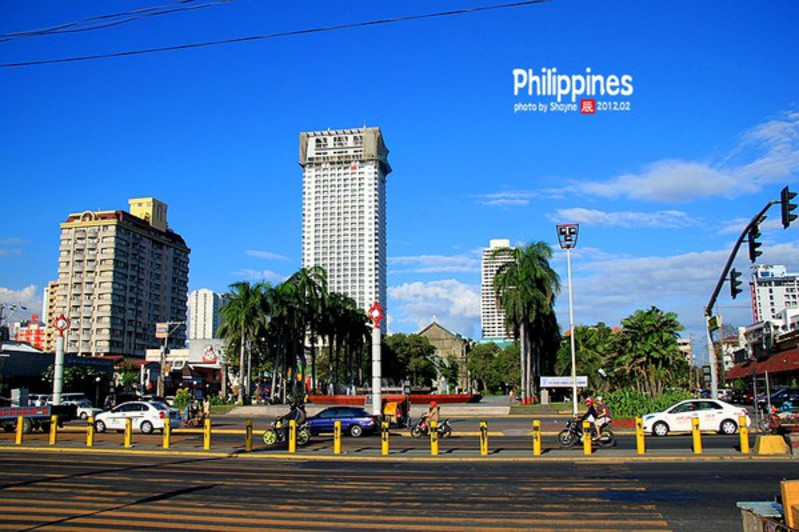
<point x="591" y="416"/>
<point x="433" y="414"/>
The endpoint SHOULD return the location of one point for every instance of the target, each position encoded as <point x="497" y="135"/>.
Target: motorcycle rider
<point x="603" y="415"/>
<point x="433" y="414"/>
<point x="591" y="416"/>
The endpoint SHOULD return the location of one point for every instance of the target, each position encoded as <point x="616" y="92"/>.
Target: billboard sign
<point x="563" y="382"/>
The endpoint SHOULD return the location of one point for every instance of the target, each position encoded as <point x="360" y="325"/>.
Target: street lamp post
<point x="376" y="314"/>
<point x="567" y="236"/>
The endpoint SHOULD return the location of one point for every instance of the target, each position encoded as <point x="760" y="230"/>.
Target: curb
<point x="349" y="458"/>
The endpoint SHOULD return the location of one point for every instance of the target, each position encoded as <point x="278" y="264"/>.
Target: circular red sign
<point x="61" y="323"/>
<point x="376" y="313"/>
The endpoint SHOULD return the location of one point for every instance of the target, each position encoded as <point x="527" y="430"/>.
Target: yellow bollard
<point x="292" y="436"/>
<point x="587" y="438"/>
<point x="384" y="443"/>
<point x="128" y="433"/>
<point x="743" y="430"/>
<point x="483" y="438"/>
<point x="248" y="435"/>
<point x="536" y="437"/>
<point x="207" y="435"/>
<point x="53" y="429"/>
<point x="697" y="435"/>
<point x="20" y="430"/>
<point x="433" y="438"/>
<point x="167" y="433"/>
<point x="640" y="442"/>
<point x="90" y="432"/>
<point x="337" y="437"/>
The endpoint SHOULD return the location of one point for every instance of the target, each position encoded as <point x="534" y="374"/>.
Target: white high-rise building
<point x="492" y="318"/>
<point x="344" y="210"/>
<point x="204" y="306"/>
<point x="773" y="290"/>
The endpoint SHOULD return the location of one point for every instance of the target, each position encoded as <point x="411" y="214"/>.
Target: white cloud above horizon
<point x="453" y="304"/>
<point x="30" y="297"/>
<point x="259" y="254"/>
<point x="434" y="264"/>
<point x="261" y="275"/>
<point x="767" y="153"/>
<point x="669" y="219"/>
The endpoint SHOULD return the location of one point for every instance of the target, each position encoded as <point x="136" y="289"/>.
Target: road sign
<point x="714" y="323"/>
<point x="162" y="330"/>
<point x="563" y="382"/>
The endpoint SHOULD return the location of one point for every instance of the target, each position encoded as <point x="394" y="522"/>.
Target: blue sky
<point x="661" y="191"/>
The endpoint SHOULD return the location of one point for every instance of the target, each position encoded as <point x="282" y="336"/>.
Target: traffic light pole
<point x="754" y="222"/>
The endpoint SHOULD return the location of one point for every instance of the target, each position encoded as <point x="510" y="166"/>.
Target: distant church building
<point x="449" y="344"/>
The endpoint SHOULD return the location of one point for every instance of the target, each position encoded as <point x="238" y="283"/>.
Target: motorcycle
<point x="573" y="434"/>
<point x="420" y="429"/>
<point x="278" y="433"/>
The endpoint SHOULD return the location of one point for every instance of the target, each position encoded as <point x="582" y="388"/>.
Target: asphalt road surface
<point x="77" y="492"/>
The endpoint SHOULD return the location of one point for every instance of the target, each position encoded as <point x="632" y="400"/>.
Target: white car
<point x="83" y="407"/>
<point x="713" y="415"/>
<point x="146" y="416"/>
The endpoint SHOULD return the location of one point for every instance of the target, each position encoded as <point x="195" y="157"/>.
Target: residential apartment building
<point x="31" y="332"/>
<point x="773" y="290"/>
<point x="120" y="273"/>
<point x="48" y="311"/>
<point x="204" y="306"/>
<point x="492" y="317"/>
<point x="344" y="210"/>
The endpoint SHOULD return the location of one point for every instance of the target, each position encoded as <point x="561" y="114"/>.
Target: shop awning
<point x="783" y="362"/>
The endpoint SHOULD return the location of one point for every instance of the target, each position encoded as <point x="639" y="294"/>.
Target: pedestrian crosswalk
<point x="64" y="493"/>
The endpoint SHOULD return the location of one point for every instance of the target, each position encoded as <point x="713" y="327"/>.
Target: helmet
<point x="589" y="401"/>
<point x="433" y="404"/>
<point x="599" y="398"/>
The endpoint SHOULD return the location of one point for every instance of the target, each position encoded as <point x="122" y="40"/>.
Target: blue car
<point x="354" y="421"/>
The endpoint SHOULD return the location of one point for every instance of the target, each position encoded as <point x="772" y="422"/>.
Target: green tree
<point x="526" y="287"/>
<point x="242" y="316"/>
<point x="411" y="358"/>
<point x="481" y="363"/>
<point x="647" y="355"/>
<point x="594" y="350"/>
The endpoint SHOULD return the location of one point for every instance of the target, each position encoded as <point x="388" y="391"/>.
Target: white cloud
<point x="626" y="219"/>
<point x="434" y="264"/>
<point x="455" y="305"/>
<point x="11" y="247"/>
<point x="735" y="226"/>
<point x="264" y="255"/>
<point x="508" y="198"/>
<point x="29" y="297"/>
<point x="766" y="154"/>
<point x="261" y="275"/>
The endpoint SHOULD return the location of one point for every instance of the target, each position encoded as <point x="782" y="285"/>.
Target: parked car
<point x="354" y="421"/>
<point x="742" y="397"/>
<point x="778" y="398"/>
<point x="713" y="415"/>
<point x="83" y="407"/>
<point x="146" y="417"/>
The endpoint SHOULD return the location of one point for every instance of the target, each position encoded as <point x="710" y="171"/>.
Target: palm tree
<point x="311" y="284"/>
<point x="526" y="287"/>
<point x="648" y="356"/>
<point x="240" y="322"/>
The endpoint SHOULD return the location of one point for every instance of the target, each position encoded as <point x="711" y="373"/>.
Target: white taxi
<point x="713" y="415"/>
<point x="145" y="416"/>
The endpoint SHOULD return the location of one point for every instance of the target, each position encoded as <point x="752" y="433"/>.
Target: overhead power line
<point x="293" y="33"/>
<point x="108" y="20"/>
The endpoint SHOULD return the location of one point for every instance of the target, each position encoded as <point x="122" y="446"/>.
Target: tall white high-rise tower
<point x="344" y="210"/>
<point x="204" y="306"/>
<point x="492" y="318"/>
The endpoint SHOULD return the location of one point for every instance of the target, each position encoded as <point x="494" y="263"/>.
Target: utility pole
<point x="164" y="330"/>
<point x="376" y="314"/>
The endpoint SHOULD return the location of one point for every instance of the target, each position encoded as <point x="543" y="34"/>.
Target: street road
<point x="77" y="492"/>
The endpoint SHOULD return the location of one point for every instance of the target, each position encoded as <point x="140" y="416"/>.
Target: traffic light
<point x="735" y="283"/>
<point x="787" y="207"/>
<point x="754" y="234"/>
